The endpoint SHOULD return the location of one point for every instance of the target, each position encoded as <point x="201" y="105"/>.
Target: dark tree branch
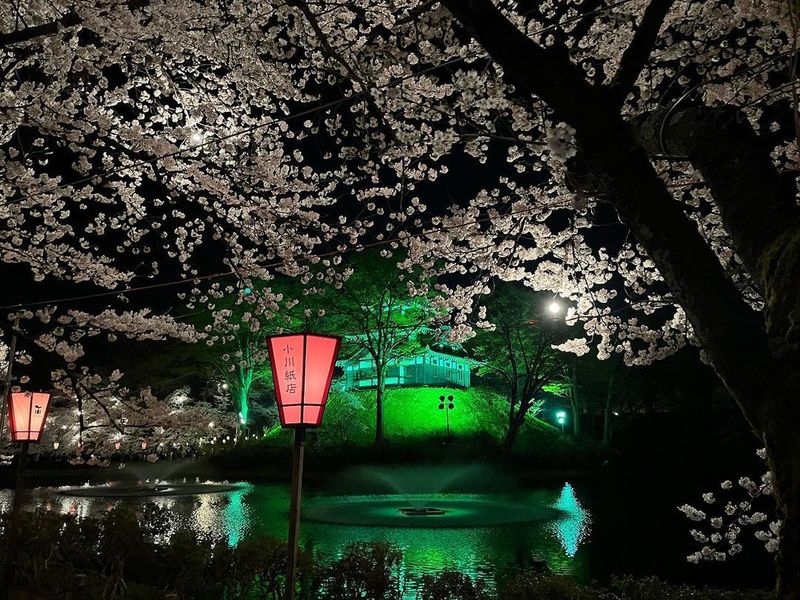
<point x="638" y="52"/>
<point x="337" y="56"/>
<point x="755" y="202"/>
<point x="672" y="241"/>
<point x="28" y="33"/>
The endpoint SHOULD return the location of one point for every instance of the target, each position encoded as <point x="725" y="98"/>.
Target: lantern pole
<point x="294" y="510"/>
<point x="12" y="351"/>
<point x="19" y="484"/>
<point x="16" y="507"/>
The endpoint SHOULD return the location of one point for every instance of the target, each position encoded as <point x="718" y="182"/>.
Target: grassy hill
<point x="415" y="430"/>
<point x="412" y="415"/>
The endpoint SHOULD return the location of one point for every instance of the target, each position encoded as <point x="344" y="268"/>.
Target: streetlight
<point x="446" y="407"/>
<point x="302" y="369"/>
<point x="561" y="417"/>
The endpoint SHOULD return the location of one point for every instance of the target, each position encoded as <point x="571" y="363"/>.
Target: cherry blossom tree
<point x="637" y="158"/>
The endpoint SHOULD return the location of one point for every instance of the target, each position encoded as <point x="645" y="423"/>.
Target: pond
<point x="472" y="519"/>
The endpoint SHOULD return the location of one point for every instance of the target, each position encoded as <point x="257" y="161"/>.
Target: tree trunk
<point x="606" y="424"/>
<point x="575" y="403"/>
<point x="379" y="389"/>
<point x="764" y="226"/>
<point x="783" y="450"/>
<point x="515" y="420"/>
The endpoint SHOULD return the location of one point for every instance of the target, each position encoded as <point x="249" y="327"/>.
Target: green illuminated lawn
<point x="413" y="413"/>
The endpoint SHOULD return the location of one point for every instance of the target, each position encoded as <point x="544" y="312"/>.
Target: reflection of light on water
<point x="172" y="521"/>
<point x="237" y="517"/>
<point x="75" y="507"/>
<point x="206" y="516"/>
<point x="573" y="527"/>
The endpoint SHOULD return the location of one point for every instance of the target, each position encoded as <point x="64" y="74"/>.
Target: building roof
<point x="438" y="353"/>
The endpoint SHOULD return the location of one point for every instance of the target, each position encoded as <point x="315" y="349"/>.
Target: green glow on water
<point x="236" y="516"/>
<point x="573" y="528"/>
<point x="482" y="535"/>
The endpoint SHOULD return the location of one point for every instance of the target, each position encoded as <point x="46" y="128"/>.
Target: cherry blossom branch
<point x="638" y="51"/>
<point x="28" y="33"/>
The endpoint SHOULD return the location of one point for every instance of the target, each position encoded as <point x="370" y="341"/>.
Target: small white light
<point x="211" y="424"/>
<point x="56" y="445"/>
<point x="224" y="386"/>
<point x="554" y="307"/>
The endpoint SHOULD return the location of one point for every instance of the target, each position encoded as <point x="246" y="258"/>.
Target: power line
<point x="307" y="112"/>
<point x="231" y="273"/>
<point x="303" y="113"/>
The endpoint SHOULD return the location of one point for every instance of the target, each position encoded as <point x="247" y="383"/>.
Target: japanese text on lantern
<point x="289" y="374"/>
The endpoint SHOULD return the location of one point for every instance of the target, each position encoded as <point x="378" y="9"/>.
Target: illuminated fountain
<point x="455" y="496"/>
<point x="146" y="488"/>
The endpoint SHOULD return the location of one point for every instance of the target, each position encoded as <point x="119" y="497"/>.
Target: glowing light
<point x="574" y="526"/>
<point x="211" y="424"/>
<point x="225" y="386"/>
<point x="561" y="417"/>
<point x="302" y="368"/>
<point x="56" y="445"/>
<point x="554" y="308"/>
<point x="27" y="413"/>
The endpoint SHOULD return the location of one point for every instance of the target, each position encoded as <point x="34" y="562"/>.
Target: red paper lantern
<point x="302" y="368"/>
<point x="27" y="412"/>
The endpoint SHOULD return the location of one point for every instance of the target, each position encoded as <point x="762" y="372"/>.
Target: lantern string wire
<point x="303" y="113"/>
<point x="231" y="273"/>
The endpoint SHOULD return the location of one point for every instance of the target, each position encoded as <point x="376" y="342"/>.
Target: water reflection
<point x="237" y="517"/>
<point x="475" y="547"/>
<point x="574" y="526"/>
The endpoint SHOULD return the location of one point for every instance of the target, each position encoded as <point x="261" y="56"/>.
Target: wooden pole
<point x="294" y="510"/>
<point x="19" y="484"/>
<point x="12" y="525"/>
<point x="7" y="387"/>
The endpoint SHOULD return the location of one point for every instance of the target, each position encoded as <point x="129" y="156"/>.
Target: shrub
<point x="451" y="585"/>
<point x="652" y="588"/>
<point x="529" y="585"/>
<point x="365" y="570"/>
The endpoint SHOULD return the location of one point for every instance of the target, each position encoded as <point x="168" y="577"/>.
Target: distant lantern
<point x="27" y="412"/>
<point x="302" y="369"/>
<point x="144" y="445"/>
<point x="117" y="444"/>
<point x="56" y="445"/>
